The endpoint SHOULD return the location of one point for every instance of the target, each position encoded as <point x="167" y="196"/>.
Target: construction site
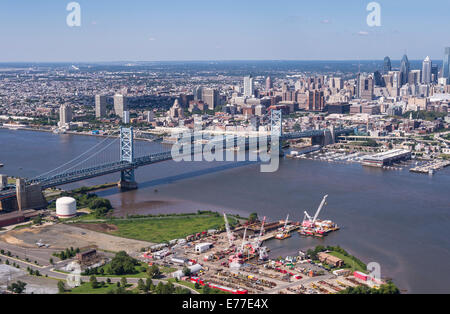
<point x="237" y="261"/>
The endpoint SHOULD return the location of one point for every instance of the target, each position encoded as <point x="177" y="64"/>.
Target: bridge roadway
<point x="108" y="168"/>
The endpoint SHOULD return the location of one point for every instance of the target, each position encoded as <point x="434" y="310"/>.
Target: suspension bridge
<point x="104" y="158"/>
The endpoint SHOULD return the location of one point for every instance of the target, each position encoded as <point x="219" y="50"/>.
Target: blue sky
<point x="150" y="30"/>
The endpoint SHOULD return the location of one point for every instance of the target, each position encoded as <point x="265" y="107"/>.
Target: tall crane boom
<point x="320" y="208"/>
<point x="243" y="239"/>
<point x="227" y="226"/>
<point x="286" y="222"/>
<point x="261" y="231"/>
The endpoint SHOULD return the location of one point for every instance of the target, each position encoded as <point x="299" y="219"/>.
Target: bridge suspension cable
<point x="76" y="158"/>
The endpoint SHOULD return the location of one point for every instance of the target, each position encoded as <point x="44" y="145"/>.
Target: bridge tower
<point x="276" y="127"/>
<point x="127" y="179"/>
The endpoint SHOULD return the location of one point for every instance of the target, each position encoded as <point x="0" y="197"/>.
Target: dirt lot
<point x="105" y="228"/>
<point x="62" y="236"/>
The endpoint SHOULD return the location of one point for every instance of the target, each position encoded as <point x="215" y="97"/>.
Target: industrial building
<point x="386" y="158"/>
<point x="330" y="259"/>
<point x="203" y="247"/>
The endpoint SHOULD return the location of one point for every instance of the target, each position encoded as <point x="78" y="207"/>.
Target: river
<point x="398" y="219"/>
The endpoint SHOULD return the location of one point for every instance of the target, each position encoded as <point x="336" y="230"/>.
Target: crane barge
<point x="312" y="226"/>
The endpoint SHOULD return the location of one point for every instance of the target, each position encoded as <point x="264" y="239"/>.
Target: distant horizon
<point x="218" y="60"/>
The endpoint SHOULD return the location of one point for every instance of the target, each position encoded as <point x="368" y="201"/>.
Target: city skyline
<point x="201" y="30"/>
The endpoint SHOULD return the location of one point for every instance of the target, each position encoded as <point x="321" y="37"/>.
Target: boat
<point x="1" y="165"/>
<point x="282" y="236"/>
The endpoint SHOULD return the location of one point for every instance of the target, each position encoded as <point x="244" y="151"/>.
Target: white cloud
<point x="363" y="33"/>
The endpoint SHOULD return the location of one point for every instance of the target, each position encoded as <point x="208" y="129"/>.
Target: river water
<point x="398" y="219"/>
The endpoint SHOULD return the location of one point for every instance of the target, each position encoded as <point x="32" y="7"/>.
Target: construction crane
<point x="229" y="234"/>
<point x="311" y="219"/>
<point x="285" y="223"/>
<point x="320" y="208"/>
<point x="243" y="240"/>
<point x="261" y="232"/>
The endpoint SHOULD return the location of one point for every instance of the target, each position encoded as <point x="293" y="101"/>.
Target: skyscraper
<point x="126" y="117"/>
<point x="404" y="70"/>
<point x="65" y="115"/>
<point x="426" y="70"/>
<point x="248" y="86"/>
<point x="120" y="105"/>
<point x="197" y="93"/>
<point x="446" y="64"/>
<point x="269" y="84"/>
<point x="210" y="97"/>
<point x="387" y="67"/>
<point x="100" y="106"/>
<point x="366" y="87"/>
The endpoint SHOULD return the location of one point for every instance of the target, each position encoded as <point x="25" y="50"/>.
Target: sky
<point x="173" y="30"/>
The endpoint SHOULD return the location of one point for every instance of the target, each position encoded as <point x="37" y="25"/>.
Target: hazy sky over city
<point x="150" y="30"/>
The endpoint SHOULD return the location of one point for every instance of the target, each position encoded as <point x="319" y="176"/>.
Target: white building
<point x="203" y="247"/>
<point x="248" y="86"/>
<point x="426" y="70"/>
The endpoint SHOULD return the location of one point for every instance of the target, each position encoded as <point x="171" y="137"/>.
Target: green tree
<point x="206" y="289"/>
<point x="148" y="285"/>
<point x="17" y="287"/>
<point x="123" y="282"/>
<point x="141" y="285"/>
<point x="253" y="217"/>
<point x="153" y="272"/>
<point x="94" y="282"/>
<point x="61" y="286"/>
<point x="186" y="271"/>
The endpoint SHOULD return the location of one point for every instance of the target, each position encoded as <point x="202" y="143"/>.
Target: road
<point x="51" y="273"/>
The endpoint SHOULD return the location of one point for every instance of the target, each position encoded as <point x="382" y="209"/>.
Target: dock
<point x="431" y="167"/>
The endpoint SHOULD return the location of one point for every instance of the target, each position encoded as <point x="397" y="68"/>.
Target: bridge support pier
<point x="127" y="180"/>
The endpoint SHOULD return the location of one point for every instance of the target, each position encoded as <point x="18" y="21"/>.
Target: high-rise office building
<point x="269" y="84"/>
<point x="197" y="91"/>
<point x="65" y="115"/>
<point x="210" y="97"/>
<point x="446" y="64"/>
<point x="414" y="77"/>
<point x="387" y="67"/>
<point x="366" y="87"/>
<point x="126" y="117"/>
<point x="100" y="106"/>
<point x="315" y="100"/>
<point x="150" y="116"/>
<point x="379" y="81"/>
<point x="426" y="70"/>
<point x="248" y="86"/>
<point x="404" y="70"/>
<point x="434" y="73"/>
<point x="120" y="105"/>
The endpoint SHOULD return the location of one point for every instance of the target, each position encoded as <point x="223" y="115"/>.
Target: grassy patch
<point x="349" y="262"/>
<point x="86" y="288"/>
<point x="167" y="270"/>
<point x="186" y="284"/>
<point x="159" y="230"/>
<point x="140" y="272"/>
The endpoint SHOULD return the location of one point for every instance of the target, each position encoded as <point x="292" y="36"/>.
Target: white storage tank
<point x="66" y="207"/>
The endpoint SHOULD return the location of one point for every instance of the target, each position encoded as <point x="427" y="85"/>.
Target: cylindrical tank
<point x="66" y="207"/>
